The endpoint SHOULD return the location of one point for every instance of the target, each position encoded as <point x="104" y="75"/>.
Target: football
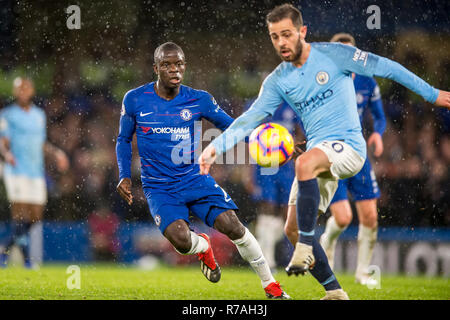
<point x="271" y="145"/>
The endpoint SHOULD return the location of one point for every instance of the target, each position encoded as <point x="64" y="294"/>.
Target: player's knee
<point x="343" y="220"/>
<point x="228" y="223"/>
<point x="179" y="236"/>
<point x="370" y="219"/>
<point x="304" y="166"/>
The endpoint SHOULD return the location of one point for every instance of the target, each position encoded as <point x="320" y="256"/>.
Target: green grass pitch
<point x="114" y="282"/>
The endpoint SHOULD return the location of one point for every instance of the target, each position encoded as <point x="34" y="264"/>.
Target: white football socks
<point x="366" y="242"/>
<point x="198" y="244"/>
<point x="268" y="230"/>
<point x="251" y="252"/>
<point x="332" y="230"/>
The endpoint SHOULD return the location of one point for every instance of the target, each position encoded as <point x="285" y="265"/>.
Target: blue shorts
<point x="274" y="188"/>
<point x="362" y="186"/>
<point x="203" y="197"/>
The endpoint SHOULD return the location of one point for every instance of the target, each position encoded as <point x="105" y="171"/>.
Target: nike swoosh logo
<point x="145" y="114"/>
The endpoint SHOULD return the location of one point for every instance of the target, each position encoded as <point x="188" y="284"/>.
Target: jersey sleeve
<point x="214" y="113"/>
<point x="127" y="127"/>
<point x="265" y="105"/>
<point x="352" y="59"/>
<point x="376" y="109"/>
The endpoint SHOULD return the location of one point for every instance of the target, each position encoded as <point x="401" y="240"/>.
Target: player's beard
<point x="295" y="55"/>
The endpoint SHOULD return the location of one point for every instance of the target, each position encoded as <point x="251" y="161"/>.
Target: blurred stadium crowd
<point x="81" y="96"/>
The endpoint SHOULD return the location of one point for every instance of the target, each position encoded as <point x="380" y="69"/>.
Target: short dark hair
<point x="285" y="11"/>
<point x="343" y="37"/>
<point x="167" y="46"/>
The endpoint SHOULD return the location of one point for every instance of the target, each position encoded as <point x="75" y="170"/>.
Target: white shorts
<point x="25" y="190"/>
<point x="345" y="163"/>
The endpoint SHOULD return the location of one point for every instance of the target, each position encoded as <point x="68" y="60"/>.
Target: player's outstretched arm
<point x="351" y="59"/>
<point x="265" y="105"/>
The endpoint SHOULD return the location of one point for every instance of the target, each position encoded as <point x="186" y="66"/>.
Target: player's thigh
<point x="209" y="200"/>
<point x="328" y="185"/>
<point x="36" y="212"/>
<point x="339" y="206"/>
<point x="364" y="186"/>
<point x="327" y="189"/>
<point x="311" y="163"/>
<point x="367" y="212"/>
<point x="166" y="208"/>
<point x="342" y="212"/>
<point x="20" y="211"/>
<point x="345" y="161"/>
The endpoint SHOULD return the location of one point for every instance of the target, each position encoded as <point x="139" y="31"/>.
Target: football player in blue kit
<point x="165" y="117"/>
<point x="315" y="79"/>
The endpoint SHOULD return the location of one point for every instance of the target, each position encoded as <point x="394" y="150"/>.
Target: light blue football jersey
<point x="322" y="94"/>
<point x="26" y="132"/>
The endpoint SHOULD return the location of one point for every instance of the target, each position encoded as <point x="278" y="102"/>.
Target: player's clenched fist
<point x="124" y="189"/>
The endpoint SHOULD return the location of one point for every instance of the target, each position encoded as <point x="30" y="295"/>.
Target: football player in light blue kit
<point x="363" y="186"/>
<point x="316" y="80"/>
<point x="22" y="146"/>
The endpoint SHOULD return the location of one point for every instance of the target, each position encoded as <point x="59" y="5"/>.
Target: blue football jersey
<point x="368" y="99"/>
<point x="168" y="134"/>
<point x="322" y="94"/>
<point x="26" y="132"/>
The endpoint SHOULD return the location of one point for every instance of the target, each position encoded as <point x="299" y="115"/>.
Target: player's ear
<point x="155" y="68"/>
<point x="303" y="31"/>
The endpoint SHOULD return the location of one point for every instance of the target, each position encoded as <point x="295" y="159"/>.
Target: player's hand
<point x="299" y="148"/>
<point x="124" y="189"/>
<point x="9" y="158"/>
<point x="443" y="99"/>
<point x="376" y="141"/>
<point x="206" y="159"/>
<point x="62" y="162"/>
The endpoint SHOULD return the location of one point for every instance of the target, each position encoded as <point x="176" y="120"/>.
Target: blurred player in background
<point x="164" y="115"/>
<point x="316" y="81"/>
<point x="363" y="186"/>
<point x="22" y="146"/>
<point x="270" y="191"/>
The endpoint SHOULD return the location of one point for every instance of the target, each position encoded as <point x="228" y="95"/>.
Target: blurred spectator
<point x="104" y="224"/>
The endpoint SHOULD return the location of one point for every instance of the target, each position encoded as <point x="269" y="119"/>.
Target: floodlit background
<point x="82" y="75"/>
